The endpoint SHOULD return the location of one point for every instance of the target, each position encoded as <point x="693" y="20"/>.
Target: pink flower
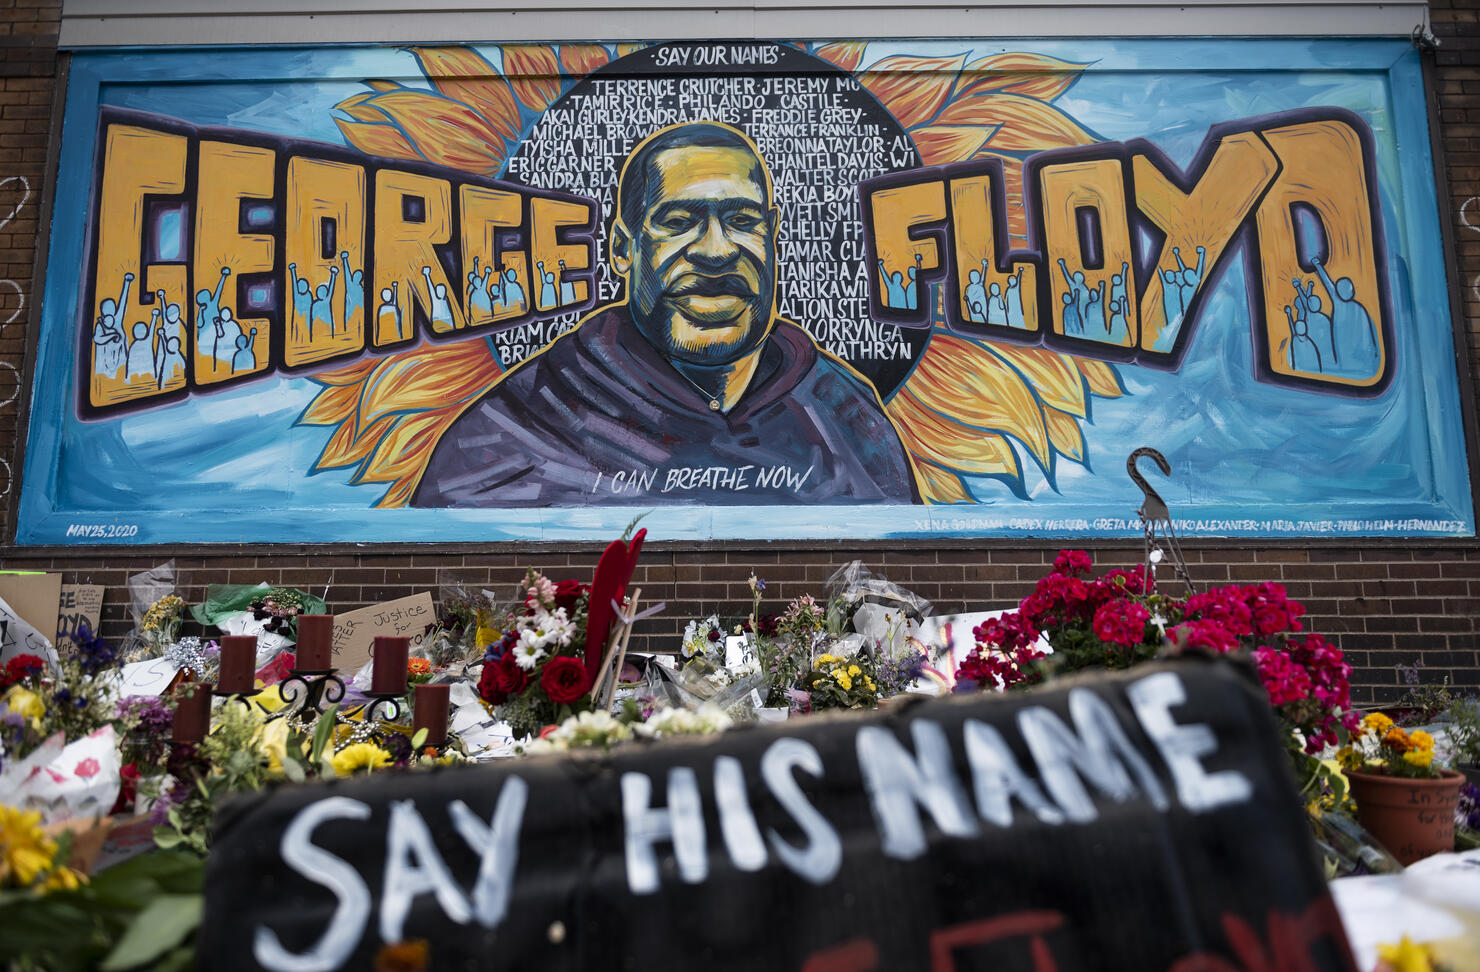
<point x="1121" y="622"/>
<point x="1204" y="635"/>
<point x="1072" y="563"/>
<point x="88" y="767"/>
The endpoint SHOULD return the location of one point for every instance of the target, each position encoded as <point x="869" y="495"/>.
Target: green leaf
<point x="161" y="926"/>
<point x="418" y="739"/>
<point x="293" y="770"/>
<point x="166" y="838"/>
<point x="323" y="731"/>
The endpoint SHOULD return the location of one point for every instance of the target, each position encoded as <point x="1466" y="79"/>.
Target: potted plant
<point x="1402" y="798"/>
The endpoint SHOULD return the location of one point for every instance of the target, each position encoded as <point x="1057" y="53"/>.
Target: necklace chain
<point x="714" y="402"/>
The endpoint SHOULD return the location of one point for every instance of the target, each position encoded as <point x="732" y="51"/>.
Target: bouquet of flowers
<point x="1389" y="750"/>
<point x="836" y="682"/>
<point x="800" y="631"/>
<point x="535" y="674"/>
<point x="704" y="639"/>
<point x="1121" y="619"/>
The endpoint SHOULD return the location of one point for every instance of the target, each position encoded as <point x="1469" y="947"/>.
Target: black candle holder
<point x="245" y="698"/>
<point x="391" y="700"/>
<point x="305" y="691"/>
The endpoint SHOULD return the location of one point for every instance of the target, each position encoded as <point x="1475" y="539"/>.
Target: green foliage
<point x="1464" y="732"/>
<point x="83" y="929"/>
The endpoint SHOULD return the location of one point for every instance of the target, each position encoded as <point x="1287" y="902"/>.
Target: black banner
<point x="1144" y="821"/>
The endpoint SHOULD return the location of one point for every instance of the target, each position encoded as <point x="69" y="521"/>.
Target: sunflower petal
<point x="1025" y="124"/>
<point x="942" y="144"/>
<point x="581" y="59"/>
<point x="845" y="54"/>
<point x="1064" y="433"/>
<point x="348" y="446"/>
<point x="1102" y="379"/>
<point x="428" y="378"/>
<point x="333" y="405"/>
<point x="1052" y="376"/>
<point x="911" y="88"/>
<point x="939" y="486"/>
<point x="403" y="450"/>
<point x="350" y="374"/>
<point x="444" y="131"/>
<point x="383" y="140"/>
<point x="534" y="72"/>
<point x="1032" y="75"/>
<point x="630" y="48"/>
<point x="964" y="380"/>
<point x="463" y="74"/>
<point x="378" y="84"/>
<point x="945" y="442"/>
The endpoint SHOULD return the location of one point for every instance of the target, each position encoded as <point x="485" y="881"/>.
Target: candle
<point x="430" y="712"/>
<point x="388" y="676"/>
<point x="193" y="712"/>
<point x="315" y="643"/>
<point x="238" y="663"/>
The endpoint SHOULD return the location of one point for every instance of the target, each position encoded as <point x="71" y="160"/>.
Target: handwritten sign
<point x="80" y="604"/>
<point x="356" y="631"/>
<point x="33" y="598"/>
<point x="1044" y="820"/>
<point x="148" y="677"/>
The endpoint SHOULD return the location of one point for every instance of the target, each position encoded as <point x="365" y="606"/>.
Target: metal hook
<point x="1154" y="508"/>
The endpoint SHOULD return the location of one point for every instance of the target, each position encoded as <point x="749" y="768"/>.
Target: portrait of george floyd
<point x="690" y="388"/>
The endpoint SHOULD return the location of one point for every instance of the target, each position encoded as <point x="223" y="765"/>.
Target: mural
<point x="941" y="288"/>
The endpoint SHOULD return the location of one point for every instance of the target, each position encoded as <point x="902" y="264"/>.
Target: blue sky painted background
<point x="1248" y="458"/>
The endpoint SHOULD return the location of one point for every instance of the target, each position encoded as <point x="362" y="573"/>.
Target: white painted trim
<point x="126" y="23"/>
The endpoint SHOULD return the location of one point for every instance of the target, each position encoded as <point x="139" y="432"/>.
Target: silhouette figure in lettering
<point x="1353" y="335"/>
<point x="227" y="331"/>
<point x="1302" y="353"/>
<point x="244" y="358"/>
<point x="1015" y="316"/>
<point x="480" y="302"/>
<point x="1308" y="310"/>
<point x="567" y="287"/>
<point x="1094" y="309"/>
<point x="208" y="307"/>
<point x="167" y="358"/>
<point x="1188" y="280"/>
<point x="322" y="309"/>
<point x="912" y="290"/>
<point x="140" y="352"/>
<point x="511" y="294"/>
<point x="354" y="289"/>
<point x="302" y="300"/>
<point x="894" y="288"/>
<point x="976" y="298"/>
<point x="108" y="334"/>
<point x="441" y="314"/>
<point x="548" y="296"/>
<point x="1117" y="292"/>
<point x="388" y="314"/>
<point x="1117" y="325"/>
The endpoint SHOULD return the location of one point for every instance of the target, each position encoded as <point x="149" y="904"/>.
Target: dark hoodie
<point x="600" y="417"/>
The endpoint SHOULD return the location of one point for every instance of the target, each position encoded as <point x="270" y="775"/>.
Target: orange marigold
<point x="418" y="666"/>
<point x="1398" y="738"/>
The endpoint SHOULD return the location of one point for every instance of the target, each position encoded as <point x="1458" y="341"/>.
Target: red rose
<point x="567" y="592"/>
<point x="501" y="679"/>
<point x="564" y="679"/>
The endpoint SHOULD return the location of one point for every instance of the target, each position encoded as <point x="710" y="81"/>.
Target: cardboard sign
<point x="80" y="604"/>
<point x="152" y="676"/>
<point x="1140" y="821"/>
<point x="356" y="631"/>
<point x="33" y="598"/>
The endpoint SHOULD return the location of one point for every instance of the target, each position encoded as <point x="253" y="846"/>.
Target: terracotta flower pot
<point x="1412" y="818"/>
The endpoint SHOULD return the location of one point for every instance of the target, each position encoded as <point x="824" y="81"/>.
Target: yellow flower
<point x="1406" y="956"/>
<point x="359" y="756"/>
<point x="1421" y="739"/>
<point x="870" y="684"/>
<point x="1377" y="722"/>
<point x="25" y="850"/>
<point x="842" y="678"/>
<point x="26" y="704"/>
<point x="272" y="740"/>
<point x="1419" y="757"/>
<point x="64" y="879"/>
<point x="828" y="659"/>
<point x="855" y="671"/>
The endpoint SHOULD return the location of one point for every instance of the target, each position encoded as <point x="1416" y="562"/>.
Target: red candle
<point x="193" y="712"/>
<point x="238" y="663"/>
<point x="429" y="712"/>
<point x="388" y="676"/>
<point x="315" y="643"/>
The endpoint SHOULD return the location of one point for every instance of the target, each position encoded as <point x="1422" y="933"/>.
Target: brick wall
<point x="1385" y="604"/>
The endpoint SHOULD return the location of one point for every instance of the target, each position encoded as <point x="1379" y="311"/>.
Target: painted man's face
<point x="701" y="267"/>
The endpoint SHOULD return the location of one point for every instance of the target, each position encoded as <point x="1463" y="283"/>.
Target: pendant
<point x="713" y="405"/>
